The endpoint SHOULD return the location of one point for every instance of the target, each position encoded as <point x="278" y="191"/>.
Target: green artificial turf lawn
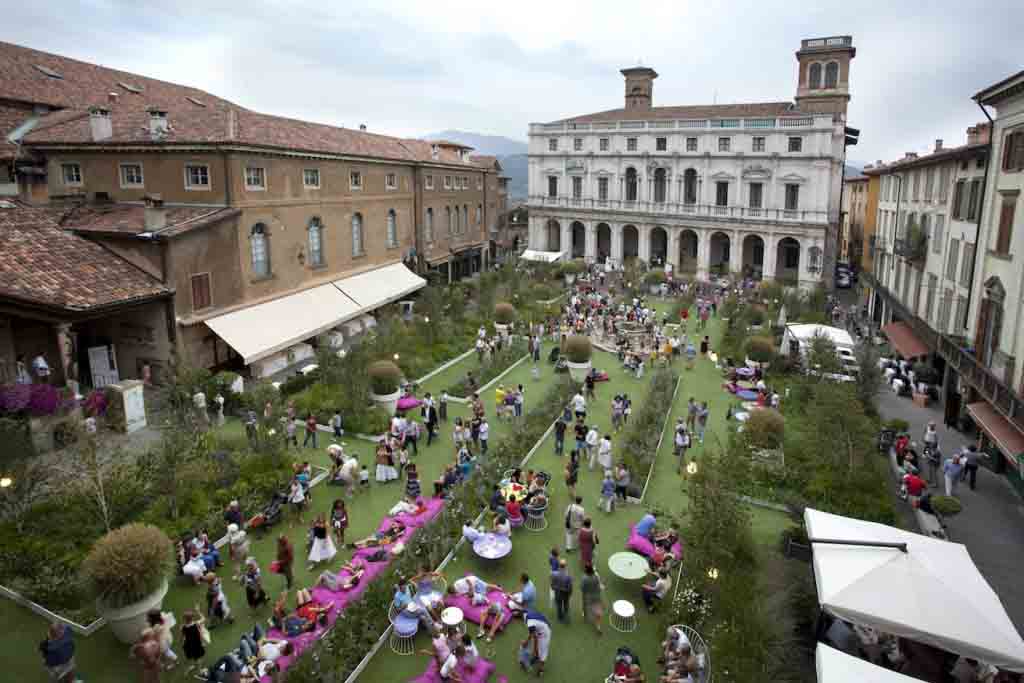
<point x="577" y="653"/>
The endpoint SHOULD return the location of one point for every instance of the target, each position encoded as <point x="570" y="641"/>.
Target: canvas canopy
<point x="933" y="593"/>
<point x="542" y="256"/>
<point x="805" y="332"/>
<point x="835" y="666"/>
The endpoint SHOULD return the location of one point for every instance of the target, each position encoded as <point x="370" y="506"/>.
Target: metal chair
<point x="700" y="650"/>
<point x="403" y="634"/>
<point x="536" y="517"/>
<point x="394" y="611"/>
<point x="623" y="616"/>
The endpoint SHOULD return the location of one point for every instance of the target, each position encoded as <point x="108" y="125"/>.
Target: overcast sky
<point x="411" y="68"/>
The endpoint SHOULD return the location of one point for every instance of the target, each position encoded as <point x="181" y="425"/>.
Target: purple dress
<point x="587" y="541"/>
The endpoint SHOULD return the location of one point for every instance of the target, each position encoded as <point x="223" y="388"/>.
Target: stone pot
<point x="388" y="402"/>
<point x="578" y="371"/>
<point x="127" y="622"/>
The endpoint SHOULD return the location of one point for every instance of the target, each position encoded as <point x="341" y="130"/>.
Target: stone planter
<point x="578" y="371"/>
<point x="502" y="329"/>
<point x="388" y="402"/>
<point x="127" y="622"/>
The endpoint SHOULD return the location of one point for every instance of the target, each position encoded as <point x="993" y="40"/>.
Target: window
<point x="458" y="221"/>
<point x="943" y="183"/>
<point x="758" y="144"/>
<point x="972" y="200"/>
<point x="958" y="200"/>
<point x="428" y="227"/>
<point x="197" y="177"/>
<point x="201" y="292"/>
<point x="428" y="182"/>
<point x="552" y="144"/>
<point x="630" y="144"/>
<point x="792" y="196"/>
<point x="796" y="144"/>
<point x="479" y="182"/>
<point x="961" y="312"/>
<point x="691" y="144"/>
<point x="552" y="186"/>
<point x="260" y="250"/>
<point x="814" y="76"/>
<point x="447" y="182"/>
<point x="660" y="185"/>
<point x="832" y="75"/>
<point x="479" y="214"/>
<point x="1013" y="151"/>
<point x="966" y="263"/>
<point x="357" y="234"/>
<point x="465" y="183"/>
<point x="929" y="182"/>
<point x="255" y="178"/>
<point x="465" y="218"/>
<point x="915" y="185"/>
<point x="724" y="144"/>
<point x="392" y="229"/>
<point x="947" y="303"/>
<point x="355" y="180"/>
<point x="602" y="144"/>
<point x="952" y="259"/>
<point x="631" y="185"/>
<point x="899" y="272"/>
<point x="71" y="174"/>
<point x="131" y="175"/>
<point x="390" y="181"/>
<point x="690" y="186"/>
<point x="577" y="144"/>
<point x="602" y="188"/>
<point x="311" y="178"/>
<point x="316" y="243"/>
<point x="756" y="190"/>
<point x="722" y="194"/>
<point x="929" y="297"/>
<point x="660" y="144"/>
<point x="577" y="187"/>
<point x="1005" y="235"/>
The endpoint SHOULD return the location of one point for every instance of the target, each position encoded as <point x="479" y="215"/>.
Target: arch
<point x="554" y="235"/>
<point x="753" y="256"/>
<point x="392" y="229"/>
<point x="579" y="239"/>
<point x="631" y="184"/>
<point x="315" y="232"/>
<point x="814" y="76"/>
<point x="604" y="242"/>
<point x="259" y="247"/>
<point x="787" y="260"/>
<point x="428" y="226"/>
<point x="630" y="242"/>
<point x="832" y="75"/>
<point x="449" y="220"/>
<point x="719" y="253"/>
<point x="690" y="186"/>
<point x="465" y="217"/>
<point x="458" y="221"/>
<point x="660" y="185"/>
<point x="357" y="234"/>
<point x="688" y="245"/>
<point x="659" y="245"/>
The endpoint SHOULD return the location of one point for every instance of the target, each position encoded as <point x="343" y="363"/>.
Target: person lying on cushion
<point x="386" y="537"/>
<point x="474" y="587"/>
<point x="339" y="582"/>
<point x="666" y="539"/>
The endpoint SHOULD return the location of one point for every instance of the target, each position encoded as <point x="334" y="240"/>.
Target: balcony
<point x="913" y="246"/>
<point x="712" y="211"/>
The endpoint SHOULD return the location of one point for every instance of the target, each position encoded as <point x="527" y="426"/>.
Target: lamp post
<point x="713" y="574"/>
<point x="6" y="482"/>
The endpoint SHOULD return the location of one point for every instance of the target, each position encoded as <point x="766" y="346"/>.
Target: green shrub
<point x="654" y="277"/>
<point x="504" y="313"/>
<point x="573" y="267"/>
<point x="897" y="425"/>
<point x="764" y="429"/>
<point x="128" y="564"/>
<point x="299" y="382"/>
<point x="946" y="506"/>
<point x="578" y="348"/>
<point x="756" y="314"/>
<point x="760" y="349"/>
<point x="385" y="377"/>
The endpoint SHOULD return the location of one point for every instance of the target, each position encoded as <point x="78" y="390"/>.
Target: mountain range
<point x="511" y="154"/>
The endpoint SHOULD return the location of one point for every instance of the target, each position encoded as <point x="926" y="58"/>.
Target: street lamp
<point x="6" y="482"/>
<point x="691" y="468"/>
<point x="712" y="573"/>
<point x="426" y="319"/>
<point x="396" y="357"/>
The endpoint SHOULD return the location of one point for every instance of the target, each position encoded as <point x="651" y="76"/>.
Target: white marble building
<point x="729" y="188"/>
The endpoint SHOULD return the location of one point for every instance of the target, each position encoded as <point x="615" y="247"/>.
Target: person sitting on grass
<point x="390" y="535"/>
<point x="656" y="591"/>
<point x="501" y="526"/>
<point x="445" y="481"/>
<point x="491" y="621"/>
<point x="666" y="539"/>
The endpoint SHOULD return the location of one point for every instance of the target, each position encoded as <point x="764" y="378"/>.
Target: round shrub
<point x="573" y="267"/>
<point x="128" y="564"/>
<point x="504" y="313"/>
<point x="760" y="349"/>
<point x="765" y="429"/>
<point x="578" y="348"/>
<point x="946" y="506"/>
<point x="756" y="314"/>
<point x="385" y="377"/>
<point x="654" y="277"/>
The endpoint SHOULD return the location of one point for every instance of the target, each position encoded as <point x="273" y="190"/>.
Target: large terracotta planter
<point x="578" y="371"/>
<point x="127" y="622"/>
<point x="388" y="402"/>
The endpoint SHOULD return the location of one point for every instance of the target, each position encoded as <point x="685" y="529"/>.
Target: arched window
<point x="832" y="75"/>
<point x="631" y="184"/>
<point x="392" y="229"/>
<point x="465" y="218"/>
<point x="690" y="186"/>
<point x="260" y="245"/>
<point x="357" y="234"/>
<point x="660" y="185"/>
<point x="479" y="214"/>
<point x="428" y="227"/>
<point x="448" y="220"/>
<point x="458" y="221"/>
<point x="814" y="76"/>
<point x="316" y="242"/>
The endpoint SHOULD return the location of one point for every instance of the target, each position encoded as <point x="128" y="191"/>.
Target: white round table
<point x="452" y="617"/>
<point x="629" y="566"/>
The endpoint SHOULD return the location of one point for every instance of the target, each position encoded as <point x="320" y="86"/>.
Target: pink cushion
<point x="639" y="544"/>
<point x="474" y="613"/>
<point x="480" y="673"/>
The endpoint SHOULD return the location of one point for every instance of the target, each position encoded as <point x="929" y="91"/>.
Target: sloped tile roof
<point x="706" y="111"/>
<point x="130" y="219"/>
<point x="40" y="262"/>
<point x="945" y="154"/>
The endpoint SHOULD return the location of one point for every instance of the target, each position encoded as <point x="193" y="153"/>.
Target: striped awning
<point x="903" y="339"/>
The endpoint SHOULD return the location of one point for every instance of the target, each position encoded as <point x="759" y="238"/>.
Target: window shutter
<point x="1018" y="153"/>
<point x="200" y="292"/>
<point x="1005" y="226"/>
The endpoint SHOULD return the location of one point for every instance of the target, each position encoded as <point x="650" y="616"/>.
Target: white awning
<point x="933" y="593"/>
<point x="835" y="666"/>
<point x="264" y="329"/>
<point x="375" y="288"/>
<point x="543" y="256"/>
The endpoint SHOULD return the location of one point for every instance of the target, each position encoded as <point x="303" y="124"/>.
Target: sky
<point x="412" y="68"/>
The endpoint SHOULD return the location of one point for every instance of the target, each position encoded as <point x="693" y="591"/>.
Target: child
<point x="364" y="478"/>
<point x="403" y="461"/>
<point x="336" y="424"/>
<point x="553" y="564"/>
<point x="217" y="608"/>
<point x="607" y="492"/>
<point x="442" y="407"/>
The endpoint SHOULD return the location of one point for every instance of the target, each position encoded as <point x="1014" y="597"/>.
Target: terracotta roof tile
<point x="40" y="262"/>
<point x="706" y="111"/>
<point x="130" y="219"/>
<point x="944" y="154"/>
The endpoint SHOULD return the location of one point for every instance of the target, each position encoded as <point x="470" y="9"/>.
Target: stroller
<point x="270" y="515"/>
<point x="624" y="659"/>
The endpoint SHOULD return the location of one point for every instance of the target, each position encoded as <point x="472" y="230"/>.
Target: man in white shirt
<point x="448" y="672"/>
<point x="485" y="434"/>
<point x="579" y="405"/>
<point x="604" y="453"/>
<point x="41" y="368"/>
<point x="592" y="439"/>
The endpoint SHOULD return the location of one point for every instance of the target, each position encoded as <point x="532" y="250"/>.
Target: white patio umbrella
<point x="926" y="590"/>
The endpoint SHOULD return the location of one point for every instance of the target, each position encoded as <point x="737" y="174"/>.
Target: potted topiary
<point x="385" y="384"/>
<point x="760" y="351"/>
<point x="126" y="571"/>
<point x="756" y="315"/>
<point x="504" y="314"/>
<point x="946" y="506"/>
<point x="577" y="352"/>
<point x="571" y="269"/>
<point x="654" y="279"/>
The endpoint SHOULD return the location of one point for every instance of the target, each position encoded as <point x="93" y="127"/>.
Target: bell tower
<point x="823" y="76"/>
<point x="639" y="87"/>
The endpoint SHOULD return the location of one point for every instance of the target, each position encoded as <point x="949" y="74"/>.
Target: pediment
<point x="757" y="172"/>
<point x="723" y="175"/>
<point x="793" y="178"/>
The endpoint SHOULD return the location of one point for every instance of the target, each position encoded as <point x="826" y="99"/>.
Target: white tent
<point x="542" y="256"/>
<point x="931" y="593"/>
<point x="805" y="332"/>
<point x="835" y="666"/>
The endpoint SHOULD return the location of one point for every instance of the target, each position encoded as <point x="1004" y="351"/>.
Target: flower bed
<point x="499" y="363"/>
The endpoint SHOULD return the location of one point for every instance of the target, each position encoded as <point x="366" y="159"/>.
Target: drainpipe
<point x="981" y="211"/>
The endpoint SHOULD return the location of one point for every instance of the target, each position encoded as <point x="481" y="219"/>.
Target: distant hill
<point x="495" y="145"/>
<point x="515" y="167"/>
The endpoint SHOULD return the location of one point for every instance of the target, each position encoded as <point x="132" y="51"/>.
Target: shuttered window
<point x="1005" y="235"/>
<point x="201" y="297"/>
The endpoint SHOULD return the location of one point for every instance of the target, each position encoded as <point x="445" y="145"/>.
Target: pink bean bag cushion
<point x="639" y="544"/>
<point x="408" y="402"/>
<point x="473" y="612"/>
<point x="480" y="673"/>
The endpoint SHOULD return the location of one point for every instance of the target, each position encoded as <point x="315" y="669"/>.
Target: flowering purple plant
<point x="35" y="399"/>
<point x="96" y="403"/>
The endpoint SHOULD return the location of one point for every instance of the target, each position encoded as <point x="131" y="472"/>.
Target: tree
<point x="27" y="484"/>
<point x="822" y="356"/>
<point x="869" y="377"/>
<point x="97" y="474"/>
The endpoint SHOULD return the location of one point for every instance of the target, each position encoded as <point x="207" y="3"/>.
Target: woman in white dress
<point x="386" y="470"/>
<point x="322" y="549"/>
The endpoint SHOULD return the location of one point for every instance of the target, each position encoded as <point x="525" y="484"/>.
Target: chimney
<point x="112" y="97"/>
<point x="362" y="126"/>
<point x="878" y="163"/>
<point x="978" y="134"/>
<point x="158" y="125"/>
<point x="100" y="124"/>
<point x="938" y="144"/>
<point x="639" y="88"/>
<point x="156" y="214"/>
<point x="910" y="155"/>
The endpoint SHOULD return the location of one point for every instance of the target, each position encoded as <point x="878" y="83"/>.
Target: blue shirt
<point x="529" y="595"/>
<point x="402" y="598"/>
<point x="645" y="525"/>
<point x="607" y="487"/>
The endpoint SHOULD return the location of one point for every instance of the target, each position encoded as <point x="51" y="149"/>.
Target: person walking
<point x="574" y="516"/>
<point x="604" y="453"/>
<point x="560" y="427"/>
<point x="951" y="469"/>
<point x="431" y="423"/>
<point x="442" y="407"/>
<point x="485" y="435"/>
<point x="147" y="652"/>
<point x="533" y="652"/>
<point x="588" y="540"/>
<point x="702" y="420"/>
<point x="593" y="603"/>
<point x="58" y="651"/>
<point x="572" y="473"/>
<point x="969" y="457"/>
<point x="931" y="437"/>
<point x="934" y="457"/>
<point x="336" y="424"/>
<point x="592" y="439"/>
<point x="691" y="414"/>
<point x="310" y="431"/>
<point x="561" y="584"/>
<point x="161" y="623"/>
<point x="192" y="639"/>
<point x="285" y="559"/>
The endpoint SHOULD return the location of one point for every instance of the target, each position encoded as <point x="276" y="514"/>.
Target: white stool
<point x="623" y="617"/>
<point x="403" y="635"/>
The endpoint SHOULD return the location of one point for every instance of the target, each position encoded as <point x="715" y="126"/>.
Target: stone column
<point x="703" y="254"/>
<point x="770" y="246"/>
<point x="672" y="256"/>
<point x="590" y="230"/>
<point x="617" y="243"/>
<point x="735" y="252"/>
<point x="644" y="243"/>
<point x="67" y="344"/>
<point x="565" y="242"/>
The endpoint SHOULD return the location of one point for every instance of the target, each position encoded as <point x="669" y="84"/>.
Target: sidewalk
<point x="992" y="522"/>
